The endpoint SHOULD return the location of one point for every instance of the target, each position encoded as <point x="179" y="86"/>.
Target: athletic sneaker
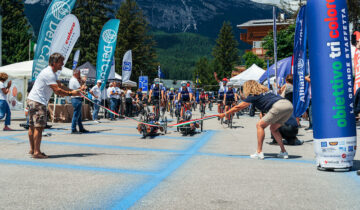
<point x="95" y="121"/>
<point x="259" y="156"/>
<point x="284" y="155"/>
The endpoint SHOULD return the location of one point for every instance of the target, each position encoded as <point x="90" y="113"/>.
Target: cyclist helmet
<point x="188" y="115"/>
<point x="183" y="84"/>
<point x="225" y="80"/>
<point x="172" y="89"/>
<point x="157" y="81"/>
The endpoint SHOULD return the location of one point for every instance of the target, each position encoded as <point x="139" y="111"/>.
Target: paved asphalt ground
<point x="114" y="168"/>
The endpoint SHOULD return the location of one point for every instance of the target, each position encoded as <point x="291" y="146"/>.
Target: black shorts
<point x="229" y="103"/>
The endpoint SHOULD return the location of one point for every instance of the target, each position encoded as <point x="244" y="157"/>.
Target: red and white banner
<point x="65" y="36"/>
<point x="357" y="69"/>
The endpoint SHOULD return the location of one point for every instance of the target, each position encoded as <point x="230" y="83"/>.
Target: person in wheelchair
<point x="150" y="130"/>
<point x="185" y="96"/>
<point x="230" y="98"/>
<point x="191" y="128"/>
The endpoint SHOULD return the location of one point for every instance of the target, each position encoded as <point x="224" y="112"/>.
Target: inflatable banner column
<point x="331" y="84"/>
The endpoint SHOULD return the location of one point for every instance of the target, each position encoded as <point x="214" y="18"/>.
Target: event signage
<point x="357" y="62"/>
<point x="126" y="66"/>
<point x="301" y="96"/>
<point x="76" y="59"/>
<point x="332" y="83"/>
<point x="106" y="50"/>
<point x="65" y="36"/>
<point x="57" y="10"/>
<point x="283" y="69"/>
<point x="143" y="83"/>
<point x="112" y="71"/>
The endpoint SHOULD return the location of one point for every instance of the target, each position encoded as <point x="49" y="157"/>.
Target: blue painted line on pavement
<point x="114" y="147"/>
<point x="74" y="167"/>
<point x="129" y="200"/>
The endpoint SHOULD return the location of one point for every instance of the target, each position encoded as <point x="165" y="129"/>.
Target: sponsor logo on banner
<point x="301" y="63"/>
<point x="331" y="162"/>
<point x="343" y="149"/>
<point x="343" y="155"/>
<point x="109" y="36"/>
<point x="351" y="148"/>
<point x="329" y="150"/>
<point x="60" y="10"/>
<point x="335" y="143"/>
<point x="323" y="144"/>
<point x="332" y="156"/>
<point x="127" y="66"/>
<point x="341" y="143"/>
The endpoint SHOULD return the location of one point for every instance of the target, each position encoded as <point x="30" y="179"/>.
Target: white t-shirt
<point x="2" y="95"/>
<point x="41" y="91"/>
<point x="74" y="85"/>
<point x="128" y="94"/>
<point x="97" y="92"/>
<point x="111" y="90"/>
<point x="119" y="91"/>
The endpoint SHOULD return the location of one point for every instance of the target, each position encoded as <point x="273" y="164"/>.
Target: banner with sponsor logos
<point x="106" y="50"/>
<point x="57" y="10"/>
<point x="65" y="36"/>
<point x="301" y="96"/>
<point x="126" y="66"/>
<point x="76" y="59"/>
<point x="332" y="83"/>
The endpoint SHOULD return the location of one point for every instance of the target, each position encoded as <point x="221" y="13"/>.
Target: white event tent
<point x="252" y="73"/>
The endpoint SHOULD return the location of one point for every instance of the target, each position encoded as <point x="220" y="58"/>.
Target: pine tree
<point x="134" y="35"/>
<point x="92" y="15"/>
<point x="225" y="51"/>
<point x="16" y="32"/>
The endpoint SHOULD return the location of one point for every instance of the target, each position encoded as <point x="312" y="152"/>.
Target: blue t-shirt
<point x="171" y="95"/>
<point x="264" y="101"/>
<point x="156" y="90"/>
<point x="230" y="95"/>
<point x="292" y="121"/>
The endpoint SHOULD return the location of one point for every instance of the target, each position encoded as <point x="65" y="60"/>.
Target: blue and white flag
<point x="160" y="73"/>
<point x="106" y="50"/>
<point x="76" y="59"/>
<point x="56" y="11"/>
<point x="301" y="96"/>
<point x="127" y="66"/>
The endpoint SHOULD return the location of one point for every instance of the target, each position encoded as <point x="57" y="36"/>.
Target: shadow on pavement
<point x="356" y="165"/>
<point x="73" y="155"/>
<point x="274" y="155"/>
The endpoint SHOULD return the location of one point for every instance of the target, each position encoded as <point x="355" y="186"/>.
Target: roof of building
<point x="264" y="22"/>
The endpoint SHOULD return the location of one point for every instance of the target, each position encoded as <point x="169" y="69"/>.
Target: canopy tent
<point x="92" y="72"/>
<point x="283" y="69"/>
<point x="130" y="83"/>
<point x="24" y="70"/>
<point x="252" y="73"/>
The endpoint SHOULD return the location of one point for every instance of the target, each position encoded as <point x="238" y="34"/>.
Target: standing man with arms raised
<point x="76" y="101"/>
<point x="44" y="86"/>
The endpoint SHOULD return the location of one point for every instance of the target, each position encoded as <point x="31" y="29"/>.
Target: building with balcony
<point x="256" y="30"/>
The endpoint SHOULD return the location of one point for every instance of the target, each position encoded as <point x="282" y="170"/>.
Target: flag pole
<point x="275" y="48"/>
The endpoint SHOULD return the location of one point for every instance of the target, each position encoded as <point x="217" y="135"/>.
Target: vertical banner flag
<point x="126" y="66"/>
<point x="357" y="62"/>
<point x="112" y="71"/>
<point x="159" y="72"/>
<point x="301" y="96"/>
<point x="275" y="46"/>
<point x="106" y="50"/>
<point x="57" y="10"/>
<point x="331" y="84"/>
<point x="76" y="59"/>
<point x="65" y="36"/>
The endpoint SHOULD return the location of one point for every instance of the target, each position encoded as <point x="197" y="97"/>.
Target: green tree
<point x="285" y="43"/>
<point x="225" y="51"/>
<point x="16" y="32"/>
<point x="92" y="16"/>
<point x="134" y="35"/>
<point x="354" y="13"/>
<point x="250" y="58"/>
